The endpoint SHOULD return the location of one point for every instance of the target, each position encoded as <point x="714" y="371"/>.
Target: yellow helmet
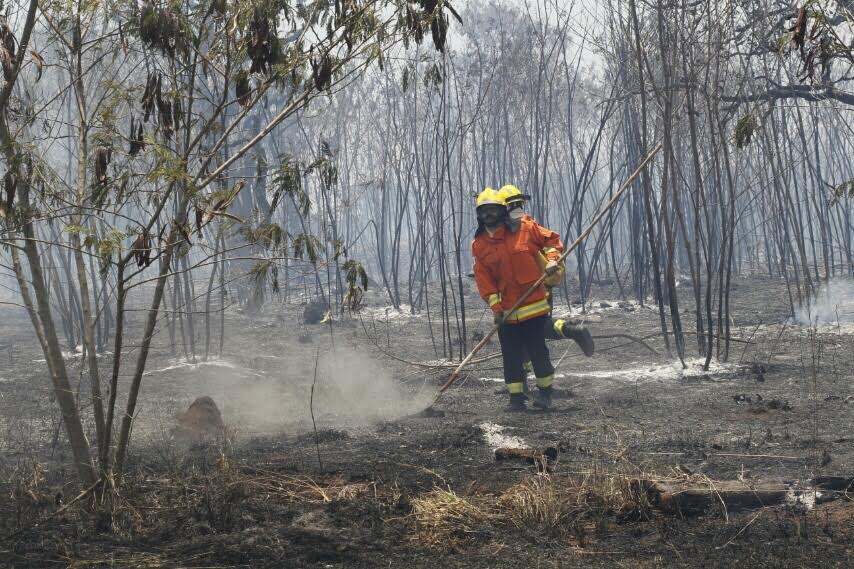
<point x="511" y="194"/>
<point x="490" y="196"/>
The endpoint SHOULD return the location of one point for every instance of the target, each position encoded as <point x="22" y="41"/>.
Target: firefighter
<point x="505" y="251"/>
<point x="559" y="329"/>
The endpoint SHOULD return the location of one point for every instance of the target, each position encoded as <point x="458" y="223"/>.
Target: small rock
<point x="605" y="305"/>
<point x="832" y="398"/>
<point x="778" y="404"/>
<point x="849" y="399"/>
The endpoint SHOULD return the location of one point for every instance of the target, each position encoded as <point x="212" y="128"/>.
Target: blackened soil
<point x="280" y="495"/>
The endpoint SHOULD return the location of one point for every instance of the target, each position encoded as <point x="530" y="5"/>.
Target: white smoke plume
<point x="351" y="389"/>
<point x="832" y="304"/>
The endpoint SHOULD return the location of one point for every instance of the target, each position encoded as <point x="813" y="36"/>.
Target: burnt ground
<point x="380" y="486"/>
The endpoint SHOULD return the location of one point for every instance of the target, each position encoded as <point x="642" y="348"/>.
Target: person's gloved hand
<point x="552" y="267"/>
<point x="498" y="318"/>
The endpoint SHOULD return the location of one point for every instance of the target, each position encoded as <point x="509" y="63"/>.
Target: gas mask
<point x="491" y="215"/>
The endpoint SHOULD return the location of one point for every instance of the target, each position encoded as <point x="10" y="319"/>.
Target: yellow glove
<point x="551" y="268"/>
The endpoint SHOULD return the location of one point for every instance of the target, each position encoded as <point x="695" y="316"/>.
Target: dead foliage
<point x="242" y="89"/>
<point x="137" y="141"/>
<point x="162" y="27"/>
<point x="10" y="184"/>
<point x="8" y="45"/>
<point x="812" y="36"/>
<point x="141" y="249"/>
<point x="263" y="46"/>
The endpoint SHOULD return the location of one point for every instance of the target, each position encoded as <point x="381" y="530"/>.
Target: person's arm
<point x="486" y="285"/>
<point x="547" y="240"/>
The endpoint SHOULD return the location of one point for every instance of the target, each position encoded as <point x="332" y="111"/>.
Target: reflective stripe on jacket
<point x="505" y="266"/>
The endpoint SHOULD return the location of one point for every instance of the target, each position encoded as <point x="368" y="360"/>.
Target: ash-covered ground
<point x="380" y="485"/>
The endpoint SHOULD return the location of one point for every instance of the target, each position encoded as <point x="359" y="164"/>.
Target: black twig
<point x="311" y="410"/>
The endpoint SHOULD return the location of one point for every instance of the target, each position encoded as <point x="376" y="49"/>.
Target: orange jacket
<point x="505" y="266"/>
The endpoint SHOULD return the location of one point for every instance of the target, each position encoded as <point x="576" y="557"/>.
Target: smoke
<point x="354" y="387"/>
<point x="351" y="389"/>
<point x="832" y="304"/>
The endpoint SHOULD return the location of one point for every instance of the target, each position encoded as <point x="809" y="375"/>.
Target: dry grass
<point x="538" y="502"/>
<point x="444" y="519"/>
<point x="568" y="507"/>
<point x="304" y="489"/>
<point x="131" y="560"/>
<point x="545" y="505"/>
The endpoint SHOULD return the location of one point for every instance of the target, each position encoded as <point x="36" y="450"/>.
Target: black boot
<point x="517" y="403"/>
<point x="543" y="398"/>
<point x="581" y="336"/>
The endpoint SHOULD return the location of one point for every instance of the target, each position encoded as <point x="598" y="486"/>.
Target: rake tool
<point x="625" y="186"/>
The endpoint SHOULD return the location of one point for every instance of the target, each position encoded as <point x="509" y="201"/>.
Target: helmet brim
<point x="519" y="198"/>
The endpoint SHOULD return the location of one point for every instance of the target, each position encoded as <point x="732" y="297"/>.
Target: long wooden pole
<point x="625" y="186"/>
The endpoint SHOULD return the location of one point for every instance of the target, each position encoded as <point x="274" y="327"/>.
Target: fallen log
<point x="834" y="483"/>
<point x="689" y="497"/>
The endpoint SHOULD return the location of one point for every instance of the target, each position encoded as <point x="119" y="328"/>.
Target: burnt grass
<point x="272" y="493"/>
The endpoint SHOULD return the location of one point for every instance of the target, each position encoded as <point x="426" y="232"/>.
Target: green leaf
<point x="288" y="181"/>
<point x="843" y="190"/>
<point x="357" y="284"/>
<point x="744" y="129"/>
<point x="338" y="249"/>
<point x="306" y="245"/>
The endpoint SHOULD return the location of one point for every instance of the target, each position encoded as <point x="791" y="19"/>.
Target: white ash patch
<point x="442" y="362"/>
<point x="501" y="379"/>
<point x="495" y="437"/>
<point x="185" y="365"/>
<point x="65" y="356"/>
<point x="75" y="353"/>
<point x="840" y="328"/>
<point x="802" y="499"/>
<point x="667" y="372"/>
<point x="388" y="312"/>
<point x="72" y="354"/>
<point x="599" y="306"/>
<point x="4" y="380"/>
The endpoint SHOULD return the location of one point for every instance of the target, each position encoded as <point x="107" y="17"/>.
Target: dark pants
<point x="548" y="324"/>
<point x="522" y="340"/>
